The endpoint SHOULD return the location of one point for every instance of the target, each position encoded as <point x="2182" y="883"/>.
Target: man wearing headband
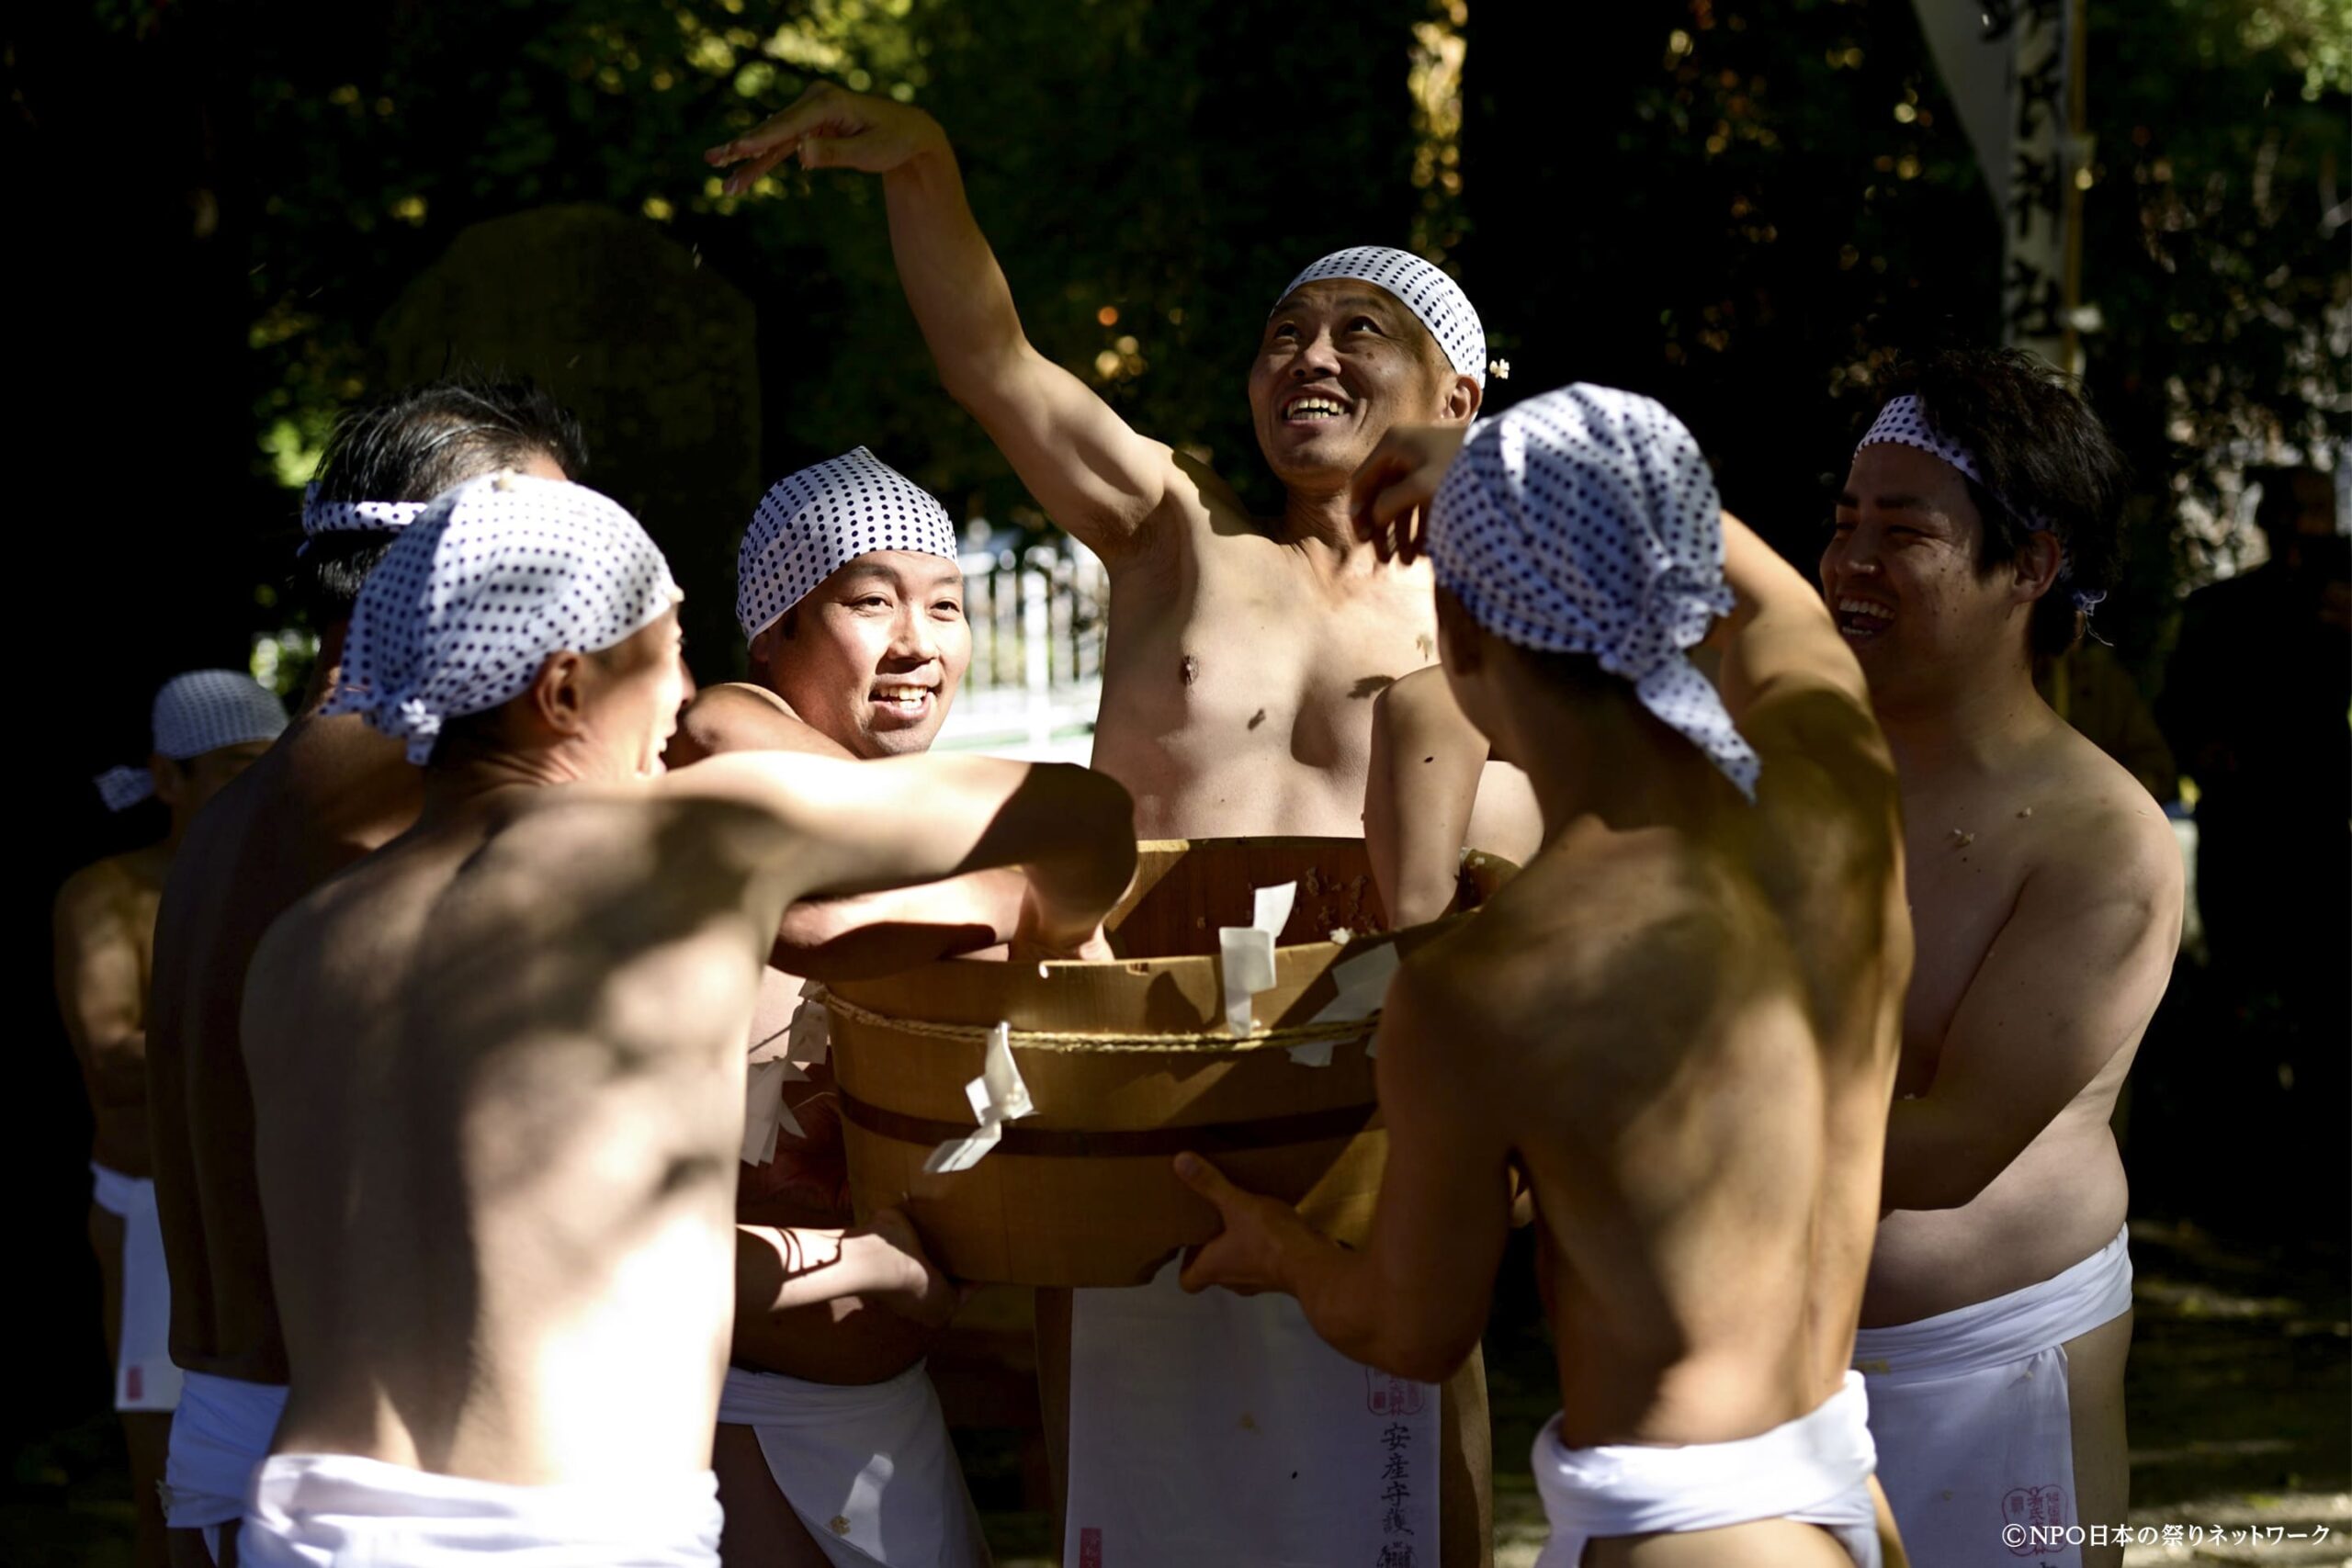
<point x="207" y="726"/>
<point x="497" y="1065"/>
<point x="1976" y="530"/>
<point x="1244" y="652"/>
<point x="848" y="590"/>
<point x="329" y="791"/>
<point x="1677" y="1024"/>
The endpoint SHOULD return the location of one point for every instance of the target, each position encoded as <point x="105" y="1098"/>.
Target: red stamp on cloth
<point x="1090" y="1548"/>
<point x="1391" y="1397"/>
<point x="2033" y="1506"/>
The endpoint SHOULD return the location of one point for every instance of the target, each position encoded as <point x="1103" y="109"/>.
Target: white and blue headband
<point x="1903" y="422"/>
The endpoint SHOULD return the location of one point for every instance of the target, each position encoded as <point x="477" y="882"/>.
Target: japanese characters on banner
<point x="2014" y="71"/>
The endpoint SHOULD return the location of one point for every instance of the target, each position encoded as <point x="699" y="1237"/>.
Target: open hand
<point x="1247" y="1256"/>
<point x="1388" y="495"/>
<point x="828" y="128"/>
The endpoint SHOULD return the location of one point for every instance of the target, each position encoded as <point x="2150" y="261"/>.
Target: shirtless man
<point x="326" y="793"/>
<point x="848" y="590"/>
<point x="497" y="1065"/>
<point x="1243" y="653"/>
<point x="1679" y="1022"/>
<point x="209" y="725"/>
<point x="1976" y="524"/>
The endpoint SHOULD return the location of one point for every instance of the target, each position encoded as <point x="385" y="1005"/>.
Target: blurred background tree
<point x="1746" y="210"/>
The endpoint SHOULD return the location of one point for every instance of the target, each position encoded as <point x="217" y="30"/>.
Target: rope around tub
<point x="1338" y="1032"/>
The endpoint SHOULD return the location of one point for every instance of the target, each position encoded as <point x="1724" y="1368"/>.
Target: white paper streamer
<point x="1364" y="985"/>
<point x="998" y="1096"/>
<point x="1247" y="952"/>
<point x="812" y="1028"/>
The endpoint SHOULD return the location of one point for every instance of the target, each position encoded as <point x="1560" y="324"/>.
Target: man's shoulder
<point x="99" y="890"/>
<point x="2091" y="818"/>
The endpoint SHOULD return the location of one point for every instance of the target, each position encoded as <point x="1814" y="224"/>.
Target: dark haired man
<point x="209" y="726"/>
<point x="1242" y="659"/>
<point x="1677" y="1026"/>
<point x="327" y="792"/>
<point x="830" y="1438"/>
<point x="1977" y="526"/>
<point x="497" y="1065"/>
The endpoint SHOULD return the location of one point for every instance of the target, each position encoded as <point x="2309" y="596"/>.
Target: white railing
<point x="1036" y="678"/>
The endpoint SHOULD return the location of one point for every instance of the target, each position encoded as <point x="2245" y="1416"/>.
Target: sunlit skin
<point x="2046" y="888"/>
<point x="1676" y="1026"/>
<point x="1242" y="654"/>
<point x="104" y="929"/>
<point x="521" y="1024"/>
<point x="329" y="791"/>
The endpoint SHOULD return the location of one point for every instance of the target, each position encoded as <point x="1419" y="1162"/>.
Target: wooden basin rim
<point x="1083" y="1142"/>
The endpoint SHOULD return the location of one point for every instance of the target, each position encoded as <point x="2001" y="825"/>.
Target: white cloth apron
<point x="1970" y="1410"/>
<point x="220" y="1435"/>
<point x="867" y="1467"/>
<point x="145" y="1377"/>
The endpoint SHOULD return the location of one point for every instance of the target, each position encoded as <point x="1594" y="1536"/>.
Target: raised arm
<point x="101" y="988"/>
<point x="848" y="828"/>
<point x="1094" y="477"/>
<point x="1415" y="1300"/>
<point x="875" y="934"/>
<point x="2029" y="1034"/>
<point x="1779" y="641"/>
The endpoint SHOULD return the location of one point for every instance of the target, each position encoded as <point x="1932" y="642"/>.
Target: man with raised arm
<point x="848" y="590"/>
<point x="497" y="1065"/>
<point x="328" y="792"/>
<point x="208" y="727"/>
<point x="1243" y="656"/>
<point x="1679" y="1022"/>
<point x="1977" y="526"/>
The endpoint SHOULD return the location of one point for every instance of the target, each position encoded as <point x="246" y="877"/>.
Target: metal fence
<point x="1037" y="617"/>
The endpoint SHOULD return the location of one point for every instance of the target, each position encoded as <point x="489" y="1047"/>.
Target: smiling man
<point x="1976" y="529"/>
<point x="1242" y="659"/>
<point x="830" y="1438"/>
<point x="496" y="1065"/>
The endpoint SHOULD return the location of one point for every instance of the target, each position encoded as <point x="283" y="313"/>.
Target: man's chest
<point x="1254" y="654"/>
<point x="1963" y="881"/>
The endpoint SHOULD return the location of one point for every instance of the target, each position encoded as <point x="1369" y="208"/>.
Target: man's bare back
<point x="521" y="1142"/>
<point x="327" y="792"/>
<point x="106" y="924"/>
<point x="1682" y="1032"/>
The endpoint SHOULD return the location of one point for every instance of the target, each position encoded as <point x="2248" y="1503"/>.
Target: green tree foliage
<point x="1747" y="210"/>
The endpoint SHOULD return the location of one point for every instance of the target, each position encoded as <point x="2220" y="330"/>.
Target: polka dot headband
<point x="201" y="711"/>
<point x="473" y="596"/>
<point x="1585" y="521"/>
<point x="355" y="516"/>
<point x="1421" y="289"/>
<point x="1903" y="422"/>
<point x="813" y="523"/>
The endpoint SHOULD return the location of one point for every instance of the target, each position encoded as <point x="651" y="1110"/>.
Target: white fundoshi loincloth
<point x="1219" y="1429"/>
<point x="1815" y="1470"/>
<point x="145" y="1377"/>
<point x="867" y="1466"/>
<point x="220" y="1434"/>
<point x="339" y="1511"/>
<point x="1970" y="1409"/>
